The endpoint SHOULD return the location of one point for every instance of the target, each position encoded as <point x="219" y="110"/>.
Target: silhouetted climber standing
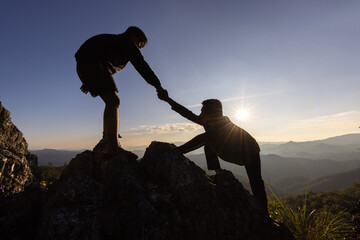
<point x="98" y="59"/>
<point x="224" y="139"/>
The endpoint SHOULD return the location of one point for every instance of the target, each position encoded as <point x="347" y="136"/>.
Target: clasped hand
<point x="162" y="94"/>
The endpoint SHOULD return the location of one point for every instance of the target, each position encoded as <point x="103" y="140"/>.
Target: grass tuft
<point x="309" y="225"/>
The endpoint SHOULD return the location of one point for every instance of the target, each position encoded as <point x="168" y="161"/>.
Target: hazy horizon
<point x="143" y="147"/>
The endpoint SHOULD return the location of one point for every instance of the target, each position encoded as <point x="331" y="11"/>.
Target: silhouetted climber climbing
<point x="224" y="139"/>
<point x="98" y="59"/>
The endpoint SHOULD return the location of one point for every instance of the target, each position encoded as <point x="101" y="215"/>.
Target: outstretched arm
<point x="195" y="143"/>
<point x="183" y="111"/>
<point x="143" y="68"/>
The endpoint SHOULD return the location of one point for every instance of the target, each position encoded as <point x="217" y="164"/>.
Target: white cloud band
<point x="166" y="129"/>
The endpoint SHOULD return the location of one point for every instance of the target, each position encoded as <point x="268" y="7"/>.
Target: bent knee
<point x="111" y="99"/>
<point x="116" y="101"/>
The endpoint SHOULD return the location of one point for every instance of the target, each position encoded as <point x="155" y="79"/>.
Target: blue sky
<point x="294" y="65"/>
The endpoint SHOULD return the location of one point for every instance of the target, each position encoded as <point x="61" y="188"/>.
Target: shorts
<point x="96" y="76"/>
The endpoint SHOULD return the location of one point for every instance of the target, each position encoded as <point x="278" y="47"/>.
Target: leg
<point x="212" y="159"/>
<point x="111" y="119"/>
<point x="253" y="169"/>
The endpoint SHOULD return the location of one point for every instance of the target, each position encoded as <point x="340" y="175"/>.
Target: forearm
<point x="195" y="143"/>
<point x="150" y="77"/>
<point x="146" y="72"/>
<point x="183" y="111"/>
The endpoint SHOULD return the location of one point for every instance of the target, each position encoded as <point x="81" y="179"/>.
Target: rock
<point x="162" y="196"/>
<point x="198" y="206"/>
<point x="17" y="165"/>
<point x="19" y="189"/>
<point x="11" y="138"/>
<point x="101" y="198"/>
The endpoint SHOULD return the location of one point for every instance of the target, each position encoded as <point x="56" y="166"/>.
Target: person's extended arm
<point x="183" y="111"/>
<point x="195" y="143"/>
<point x="143" y="68"/>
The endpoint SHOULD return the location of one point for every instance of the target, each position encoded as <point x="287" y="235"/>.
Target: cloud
<point x="166" y="129"/>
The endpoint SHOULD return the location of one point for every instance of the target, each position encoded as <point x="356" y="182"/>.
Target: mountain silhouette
<point x="339" y="148"/>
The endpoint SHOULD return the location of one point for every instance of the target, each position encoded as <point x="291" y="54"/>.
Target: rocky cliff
<point x="162" y="196"/>
<point x="15" y="160"/>
<point x="19" y="190"/>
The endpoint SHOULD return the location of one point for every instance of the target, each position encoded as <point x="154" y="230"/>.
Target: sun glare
<point x="242" y="114"/>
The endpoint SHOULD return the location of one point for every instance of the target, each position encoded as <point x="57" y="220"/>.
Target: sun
<point x="242" y="114"/>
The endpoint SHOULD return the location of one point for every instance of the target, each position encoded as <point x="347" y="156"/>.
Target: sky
<point x="293" y="65"/>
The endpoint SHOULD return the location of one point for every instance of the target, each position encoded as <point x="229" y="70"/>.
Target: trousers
<point x="253" y="170"/>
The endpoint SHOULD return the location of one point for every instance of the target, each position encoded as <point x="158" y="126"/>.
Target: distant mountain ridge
<point x="294" y="175"/>
<point x="275" y="167"/>
<point x="339" y="148"/>
<point x="325" y="183"/>
<point x="347" y="139"/>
